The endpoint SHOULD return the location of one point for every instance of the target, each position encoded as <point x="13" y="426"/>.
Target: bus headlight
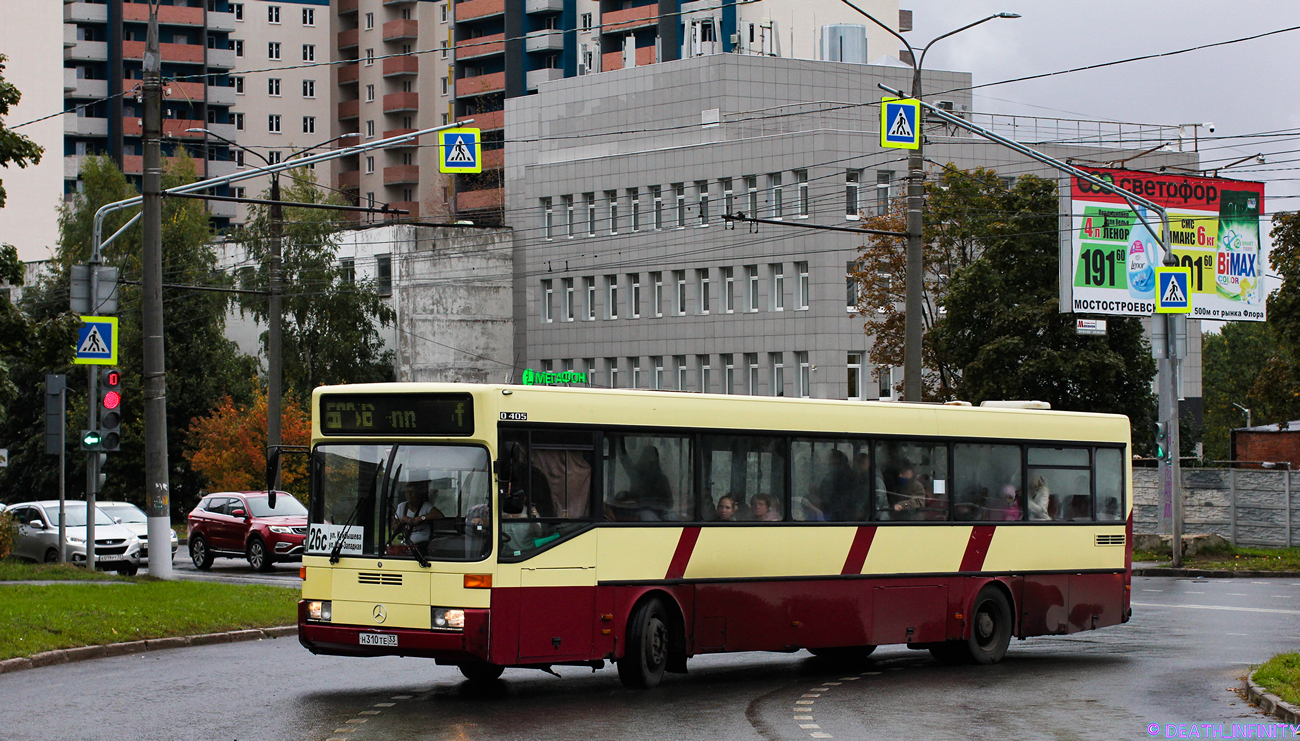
<point x="446" y="618"/>
<point x="319" y="610"/>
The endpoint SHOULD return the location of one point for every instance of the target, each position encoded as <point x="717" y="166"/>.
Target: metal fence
<point x="1246" y="506"/>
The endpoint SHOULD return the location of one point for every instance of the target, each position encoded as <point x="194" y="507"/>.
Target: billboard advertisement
<point x="1214" y="231"/>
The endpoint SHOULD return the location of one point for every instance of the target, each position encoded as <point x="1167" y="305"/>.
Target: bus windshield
<point x="395" y="500"/>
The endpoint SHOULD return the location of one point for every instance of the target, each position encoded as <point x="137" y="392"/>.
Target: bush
<point x="8" y="529"/>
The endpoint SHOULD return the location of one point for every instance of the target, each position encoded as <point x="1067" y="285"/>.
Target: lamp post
<point x="1244" y="409"/>
<point x="912" y="328"/>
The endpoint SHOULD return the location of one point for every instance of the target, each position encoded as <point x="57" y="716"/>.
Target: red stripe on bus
<point x="858" y="551"/>
<point x="682" y="556"/>
<point x="977" y="547"/>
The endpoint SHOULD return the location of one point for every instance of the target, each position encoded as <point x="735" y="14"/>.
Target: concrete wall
<point x="1247" y="507"/>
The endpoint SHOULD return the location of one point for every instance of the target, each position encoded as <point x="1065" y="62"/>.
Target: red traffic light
<point x="112" y="399"/>
<point x="113" y="379"/>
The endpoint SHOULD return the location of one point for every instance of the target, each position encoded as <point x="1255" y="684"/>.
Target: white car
<point x="134" y="518"/>
<point x="116" y="547"/>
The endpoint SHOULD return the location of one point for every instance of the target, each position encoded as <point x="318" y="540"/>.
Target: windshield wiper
<point x="370" y="493"/>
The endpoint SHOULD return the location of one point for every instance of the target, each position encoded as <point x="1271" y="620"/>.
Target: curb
<point x="85" y="653"/>
<point x="1269" y="702"/>
<point x="1214" y="573"/>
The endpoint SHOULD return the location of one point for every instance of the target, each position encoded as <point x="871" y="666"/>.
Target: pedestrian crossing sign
<point x="97" y="341"/>
<point x="1173" y="296"/>
<point x="900" y="123"/>
<point x="460" y="150"/>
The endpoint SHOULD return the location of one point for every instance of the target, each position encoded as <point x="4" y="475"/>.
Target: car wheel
<point x="481" y="671"/>
<point x="257" y="555"/>
<point x="128" y="570"/>
<point x="199" y="553"/>
<point x="643" y="665"/>
<point x="52" y="555"/>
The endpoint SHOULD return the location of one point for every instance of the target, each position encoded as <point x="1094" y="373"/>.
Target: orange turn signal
<point x="478" y="581"/>
<point x="302" y="572"/>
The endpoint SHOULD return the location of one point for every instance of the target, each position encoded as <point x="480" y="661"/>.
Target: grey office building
<point x="624" y="269"/>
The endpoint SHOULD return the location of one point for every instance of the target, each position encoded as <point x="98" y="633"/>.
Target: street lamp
<point x="912" y="329"/>
<point x="1244" y="409"/>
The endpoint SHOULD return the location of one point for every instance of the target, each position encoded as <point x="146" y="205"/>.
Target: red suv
<point x="242" y="524"/>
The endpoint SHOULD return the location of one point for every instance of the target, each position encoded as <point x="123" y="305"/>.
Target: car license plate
<point x="118" y="557"/>
<point x="378" y="639"/>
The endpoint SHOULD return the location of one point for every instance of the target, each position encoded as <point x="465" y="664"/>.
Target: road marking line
<point x="385" y="704"/>
<point x="355" y="720"/>
<point x="831" y="684"/>
<point x="1153" y="590"/>
<point x="803" y="717"/>
<point x="368" y="712"/>
<point x="803" y="702"/>
<point x="1238" y="634"/>
<point x="1284" y="596"/>
<point x="1221" y="607"/>
<point x="806" y="726"/>
<point x="810" y="695"/>
<point x="344" y="730"/>
<point x="820" y="689"/>
<point x="1259" y="582"/>
<point x="1191" y="592"/>
<point x="336" y="738"/>
<point x="819" y="734"/>
<point x="852" y="679"/>
<point x="869" y="674"/>
<point x="1237" y="594"/>
<point x="400" y="697"/>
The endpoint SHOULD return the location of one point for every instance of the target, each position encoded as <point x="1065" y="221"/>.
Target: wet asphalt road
<point x="1177" y="661"/>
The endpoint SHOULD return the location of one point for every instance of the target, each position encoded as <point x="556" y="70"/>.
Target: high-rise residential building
<point x="103" y="52"/>
<point x="392" y="76"/>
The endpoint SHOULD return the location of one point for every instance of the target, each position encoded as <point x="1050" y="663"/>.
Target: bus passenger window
<point x="1060" y="485"/>
<point x="989" y="483"/>
<point x="832" y="480"/>
<point x="555" y="483"/>
<point x="1110" y="485"/>
<point x="648" y="478"/>
<point x="743" y="468"/>
<point x="913" y="481"/>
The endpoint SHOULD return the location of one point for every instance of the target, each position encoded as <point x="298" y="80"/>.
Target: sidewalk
<point x="83" y="653"/>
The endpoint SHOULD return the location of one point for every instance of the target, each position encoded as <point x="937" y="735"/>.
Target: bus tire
<point x="990" y="632"/>
<point x="481" y="671"/>
<point x="844" y="654"/>
<point x="646" y="658"/>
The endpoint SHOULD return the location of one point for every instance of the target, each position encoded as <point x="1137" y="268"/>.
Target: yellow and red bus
<point x="492" y="526"/>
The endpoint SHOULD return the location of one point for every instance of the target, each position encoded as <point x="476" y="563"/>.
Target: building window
<point x="548" y="220"/>
<point x="657" y="293"/>
<point x="634" y="208"/>
<point x="883" y="180"/>
<point x="239" y="85"/>
<point x="751" y="193"/>
<point x="445" y="84"/>
<point x="751" y="380"/>
<point x="728" y="363"/>
<point x="370" y="57"/>
<point x="370" y="165"/>
<point x="586" y="21"/>
<point x="590" y="199"/>
<point x="850" y="286"/>
<point x="659" y="379"/>
<point x="775" y="207"/>
<point x="778" y="373"/>
<point x="778" y="287"/>
<point x="442" y="12"/>
<point x="728" y="198"/>
<point x="309" y="88"/>
<point x="239" y="47"/>
<point x="370" y="93"/>
<point x="886" y="390"/>
<point x="239" y="157"/>
<point x="238" y="10"/>
<point x="567" y="202"/>
<point x="656" y="194"/>
<point x="384" y="274"/>
<point x="751" y="287"/>
<point x="706" y="379"/>
<point x="634" y="295"/>
<point x="680" y="190"/>
<point x="635" y="365"/>
<point x="370" y="199"/>
<point x="679" y="276"/>
<point x="702" y="282"/>
<point x="590" y="284"/>
<point x="273" y="123"/>
<point x="370" y="21"/>
<point x="273" y="87"/>
<point x="805" y="375"/>
<point x="702" y="189"/>
<point x="239" y="122"/>
<point x="548" y="291"/>
<point x="273" y="50"/>
<point x="589" y="367"/>
<point x="309" y="124"/>
<point x="611" y="367"/>
<point x="854" y="392"/>
<point x="611" y="289"/>
<point x="729" y="290"/>
<point x="852" y="202"/>
<point x="308" y="52"/>
<point x="611" y="203"/>
<point x="801" y="181"/>
<point x="308" y="16"/>
<point x="569" y="300"/>
<point x="683" y="372"/>
<point x="802" y="288"/>
<point x="273" y="14"/>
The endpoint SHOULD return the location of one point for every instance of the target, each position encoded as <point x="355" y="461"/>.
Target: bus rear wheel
<point x="990" y="632"/>
<point x="646" y="658"/>
<point x="481" y="671"/>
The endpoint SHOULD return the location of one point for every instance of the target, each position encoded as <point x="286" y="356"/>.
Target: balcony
<point x="184" y="53"/>
<point x="221" y="58"/>
<point x="221" y="95"/>
<point x="221" y="209"/>
<point x="348" y="140"/>
<point x="487" y="120"/>
<point x="493" y="159"/>
<point x="618" y="21"/>
<point x="401" y="174"/>
<point x="70" y="81"/>
<point x="348" y="39"/>
<point x="398" y="102"/>
<point x="535" y="77"/>
<point x="396" y="66"/>
<point x="611" y="61"/>
<point x="470" y="86"/>
<point x="221" y="168"/>
<point x="86" y="51"/>
<point x="480" y="47"/>
<point x="350" y="73"/>
<point x="543" y="6"/>
<point x="86" y="88"/>
<point x="398" y="132"/>
<point x="173" y="128"/>
<point x="133" y="164"/>
<point x="413" y="207"/>
<point x="349" y="109"/>
<point x="475" y="9"/>
<point x="549" y="40"/>
<point x="346" y="7"/>
<point x="84" y="126"/>
<point x="350" y="180"/>
<point x="85" y="13"/>
<point x="72" y="166"/>
<point x="480" y="200"/>
<point x="403" y="28"/>
<point x="171" y="15"/>
<point x="226" y="130"/>
<point x="221" y="22"/>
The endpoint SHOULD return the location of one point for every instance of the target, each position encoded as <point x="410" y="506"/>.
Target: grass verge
<point x="1281" y="676"/>
<point x="35" y="618"/>
<point x="1235" y="559"/>
<point x="13" y="569"/>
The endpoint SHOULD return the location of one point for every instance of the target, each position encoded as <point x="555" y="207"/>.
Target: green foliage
<point x="1231" y="362"/>
<point x="15" y="149"/>
<point x="8" y="530"/>
<point x="1281" y="676"/>
<point x="1277" y="387"/>
<point x="329" y="332"/>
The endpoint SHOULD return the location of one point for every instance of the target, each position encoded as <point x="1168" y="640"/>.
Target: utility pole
<point x="913" y="327"/>
<point x="158" y="505"/>
<point x="92" y="423"/>
<point x="275" y="307"/>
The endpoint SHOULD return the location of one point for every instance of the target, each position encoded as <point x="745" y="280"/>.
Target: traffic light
<point x="1162" y="440"/>
<point x="90" y="439"/>
<point x="110" y="410"/>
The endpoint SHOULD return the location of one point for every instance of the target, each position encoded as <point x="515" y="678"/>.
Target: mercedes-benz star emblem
<point x="380" y="613"/>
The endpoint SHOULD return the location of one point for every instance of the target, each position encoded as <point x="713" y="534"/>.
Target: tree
<point x="15" y="149"/>
<point x="227" y="446"/>
<point x="1277" y="387"/>
<point x="329" y="321"/>
<point x="1231" y="363"/>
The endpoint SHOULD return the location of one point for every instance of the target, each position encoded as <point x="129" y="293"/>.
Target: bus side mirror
<point x="272" y="471"/>
<point x="508" y="470"/>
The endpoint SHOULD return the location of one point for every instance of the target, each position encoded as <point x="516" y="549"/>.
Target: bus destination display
<point x="397" y="414"/>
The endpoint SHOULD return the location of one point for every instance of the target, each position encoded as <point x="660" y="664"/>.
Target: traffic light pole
<point x="92" y="423"/>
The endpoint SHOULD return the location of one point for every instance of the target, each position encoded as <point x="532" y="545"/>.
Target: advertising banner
<point x="1214" y="231"/>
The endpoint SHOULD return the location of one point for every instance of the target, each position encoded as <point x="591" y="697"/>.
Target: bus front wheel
<point x="990" y="632"/>
<point x="481" y="671"/>
<point x="646" y="658"/>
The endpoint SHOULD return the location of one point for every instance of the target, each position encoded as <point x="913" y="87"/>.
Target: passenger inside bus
<point x="765" y="509"/>
<point x="726" y="509"/>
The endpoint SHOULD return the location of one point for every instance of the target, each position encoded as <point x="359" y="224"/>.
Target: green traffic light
<point x="91" y="438"/>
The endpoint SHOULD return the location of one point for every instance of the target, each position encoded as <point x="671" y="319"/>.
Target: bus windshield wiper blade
<point x="370" y="493"/>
